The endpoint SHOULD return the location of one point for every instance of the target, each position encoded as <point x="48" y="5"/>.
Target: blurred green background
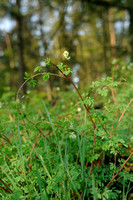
<point x="94" y="32"/>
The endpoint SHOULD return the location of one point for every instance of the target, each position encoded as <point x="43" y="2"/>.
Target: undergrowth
<point x="69" y="150"/>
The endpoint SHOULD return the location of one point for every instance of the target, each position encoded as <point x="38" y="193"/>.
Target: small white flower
<point x="123" y="67"/>
<point x="72" y="135"/>
<point x="66" y="54"/>
<point x="114" y="62"/>
<point x="78" y="109"/>
<point x="57" y="88"/>
<point x="130" y="65"/>
<point x="63" y="106"/>
<point x="28" y="91"/>
<point x="23" y="107"/>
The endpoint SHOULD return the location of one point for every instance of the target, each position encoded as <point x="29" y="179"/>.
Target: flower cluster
<point x="72" y="135"/>
<point x="66" y="55"/>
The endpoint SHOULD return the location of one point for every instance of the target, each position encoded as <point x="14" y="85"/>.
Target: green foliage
<point x="48" y="61"/>
<point x="65" y="70"/>
<point x="46" y="76"/>
<point x="27" y="76"/>
<point x="38" y="68"/>
<point x="72" y="151"/>
<point x="32" y="83"/>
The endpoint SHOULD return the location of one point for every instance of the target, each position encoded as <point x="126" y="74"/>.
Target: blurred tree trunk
<point x="62" y="37"/>
<point x="45" y="47"/>
<point x="112" y="32"/>
<point x="120" y="5"/>
<point x="131" y="32"/>
<point x="9" y="47"/>
<point x="106" y="50"/>
<point x="11" y="59"/>
<point x="19" y="20"/>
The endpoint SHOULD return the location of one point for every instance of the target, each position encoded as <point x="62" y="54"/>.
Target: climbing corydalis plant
<point x="63" y="68"/>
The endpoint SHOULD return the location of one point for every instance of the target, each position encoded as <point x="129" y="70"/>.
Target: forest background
<point x="94" y="32"/>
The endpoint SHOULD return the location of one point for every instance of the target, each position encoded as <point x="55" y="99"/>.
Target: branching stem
<point x="119" y="170"/>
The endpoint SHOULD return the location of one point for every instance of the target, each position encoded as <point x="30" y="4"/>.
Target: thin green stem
<point x="87" y="108"/>
<point x="34" y="77"/>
